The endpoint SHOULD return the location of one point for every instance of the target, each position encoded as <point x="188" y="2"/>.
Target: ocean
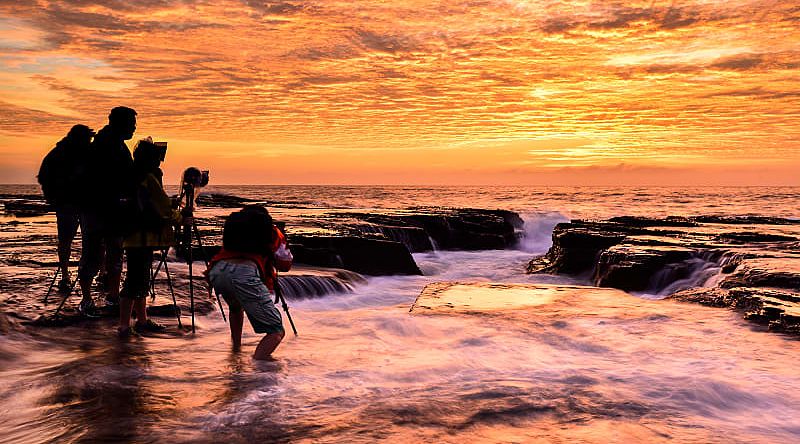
<point x="364" y="369"/>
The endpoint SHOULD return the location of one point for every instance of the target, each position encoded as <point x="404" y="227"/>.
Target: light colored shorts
<point x="239" y="283"/>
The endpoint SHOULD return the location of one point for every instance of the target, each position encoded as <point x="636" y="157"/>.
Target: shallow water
<point x="589" y="369"/>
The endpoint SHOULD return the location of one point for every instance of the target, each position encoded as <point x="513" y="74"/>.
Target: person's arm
<point x="162" y="203"/>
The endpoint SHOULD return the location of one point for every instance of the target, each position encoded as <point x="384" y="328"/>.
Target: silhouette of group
<point x="93" y="182"/>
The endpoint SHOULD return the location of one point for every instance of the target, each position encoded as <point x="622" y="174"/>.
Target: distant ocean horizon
<point x="568" y="201"/>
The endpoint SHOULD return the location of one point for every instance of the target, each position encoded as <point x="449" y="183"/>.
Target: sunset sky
<point x="417" y="92"/>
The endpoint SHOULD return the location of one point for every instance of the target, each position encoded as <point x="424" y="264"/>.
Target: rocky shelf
<point x="374" y="243"/>
<point x="749" y="263"/>
<point x="383" y="243"/>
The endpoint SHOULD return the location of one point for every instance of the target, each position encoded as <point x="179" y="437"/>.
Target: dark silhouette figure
<point x="110" y="172"/>
<point x="60" y="176"/>
<point x="151" y="216"/>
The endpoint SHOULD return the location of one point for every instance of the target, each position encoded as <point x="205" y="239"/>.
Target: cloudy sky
<point x="473" y="92"/>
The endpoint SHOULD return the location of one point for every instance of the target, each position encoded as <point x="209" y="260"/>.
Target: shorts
<point x="137" y="278"/>
<point x="239" y="282"/>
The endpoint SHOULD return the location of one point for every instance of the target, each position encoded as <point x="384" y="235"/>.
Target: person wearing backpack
<point x="60" y="176"/>
<point x="151" y="218"/>
<point x="244" y="273"/>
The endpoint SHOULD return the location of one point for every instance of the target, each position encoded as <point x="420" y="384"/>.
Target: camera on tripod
<point x="192" y="179"/>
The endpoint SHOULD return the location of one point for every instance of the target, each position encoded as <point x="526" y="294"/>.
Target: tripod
<point x="193" y="179"/>
<point x="154" y="273"/>
<point x="193" y="234"/>
<point x="53" y="283"/>
<point x="67" y="294"/>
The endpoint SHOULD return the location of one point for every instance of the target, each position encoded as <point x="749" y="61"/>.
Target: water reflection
<point x="590" y="370"/>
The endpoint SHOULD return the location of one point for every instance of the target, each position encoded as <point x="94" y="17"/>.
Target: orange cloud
<point x="371" y="86"/>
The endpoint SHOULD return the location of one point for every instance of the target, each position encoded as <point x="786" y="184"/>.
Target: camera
<point x="194" y="177"/>
<point x="161" y="149"/>
<point x="152" y="151"/>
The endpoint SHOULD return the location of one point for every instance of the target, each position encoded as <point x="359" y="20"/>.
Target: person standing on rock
<point x="244" y="273"/>
<point x="59" y="175"/>
<point x="110" y="178"/>
<point x="151" y="217"/>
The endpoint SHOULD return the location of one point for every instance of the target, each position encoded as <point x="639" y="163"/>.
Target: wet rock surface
<point x="382" y="243"/>
<point x="219" y="200"/>
<point x="487" y="297"/>
<point x="363" y="255"/>
<point x="777" y="308"/>
<point x="631" y="267"/>
<point x="750" y="263"/>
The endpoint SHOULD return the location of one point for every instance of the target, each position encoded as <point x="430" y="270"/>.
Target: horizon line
<point x="460" y="185"/>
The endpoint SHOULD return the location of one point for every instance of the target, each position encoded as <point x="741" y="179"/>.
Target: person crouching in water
<point x="244" y="274"/>
<point x="152" y="221"/>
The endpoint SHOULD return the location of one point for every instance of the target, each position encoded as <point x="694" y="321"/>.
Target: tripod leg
<point x="219" y="303"/>
<point x="66" y="296"/>
<point x="153" y="275"/>
<point x="191" y="285"/>
<point x="172" y="291"/>
<point x="279" y="297"/>
<point x="205" y="259"/>
<point x="152" y="288"/>
<point x="52" y="283"/>
<point x="196" y="233"/>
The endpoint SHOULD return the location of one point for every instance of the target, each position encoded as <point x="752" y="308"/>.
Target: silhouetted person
<point x="60" y="177"/>
<point x="152" y="220"/>
<point x="102" y="223"/>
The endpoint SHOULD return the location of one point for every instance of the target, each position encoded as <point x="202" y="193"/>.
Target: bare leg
<point x="63" y="258"/>
<point x="125" y="308"/>
<point x="236" y="323"/>
<point x="268" y="345"/>
<point x="113" y="286"/>
<point x="67" y="222"/>
<point x="140" y="305"/>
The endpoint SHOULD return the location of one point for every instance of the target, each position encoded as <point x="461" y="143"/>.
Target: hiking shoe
<point x="149" y="326"/>
<point x="88" y="309"/>
<point x="125" y="333"/>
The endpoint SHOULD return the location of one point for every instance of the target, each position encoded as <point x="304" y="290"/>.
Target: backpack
<point x="249" y="230"/>
<point x="58" y="176"/>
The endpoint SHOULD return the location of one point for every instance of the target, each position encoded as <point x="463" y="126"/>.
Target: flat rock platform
<point x="444" y="297"/>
